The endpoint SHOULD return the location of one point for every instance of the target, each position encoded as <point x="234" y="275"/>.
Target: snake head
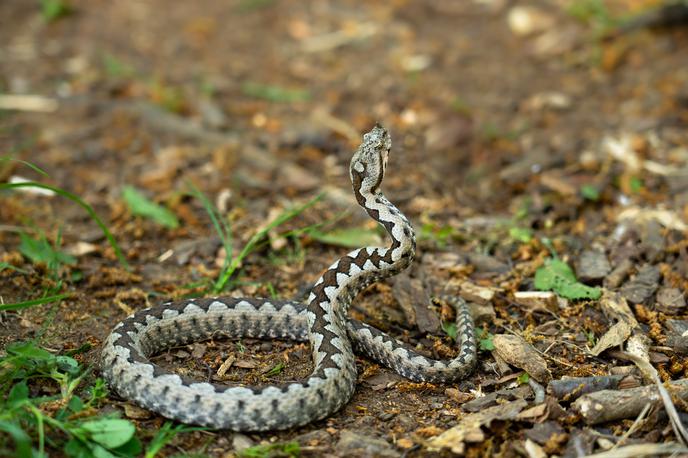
<point x="370" y="159"/>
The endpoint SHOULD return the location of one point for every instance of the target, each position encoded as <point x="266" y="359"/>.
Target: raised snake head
<point x="370" y="159"/>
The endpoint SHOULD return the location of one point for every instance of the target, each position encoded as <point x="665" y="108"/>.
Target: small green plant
<point x="353" y="237"/>
<point x="40" y="250"/>
<point x="74" y="198"/>
<point x="274" y="370"/>
<point x="449" y="328"/>
<point x="51" y="10"/>
<point x="32" y="302"/>
<point x="274" y="93"/>
<point x="140" y="205"/>
<point x="165" y="434"/>
<point x="441" y="235"/>
<point x="557" y="276"/>
<point x="521" y="234"/>
<point x="29" y="410"/>
<point x="232" y="265"/>
<point x="523" y="379"/>
<point x="590" y="192"/>
<point x="288" y="449"/>
<point x="250" y="5"/>
<point x="117" y="68"/>
<point x="485" y="342"/>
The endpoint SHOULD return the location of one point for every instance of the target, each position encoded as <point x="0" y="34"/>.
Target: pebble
<point x="528" y="20"/>
<point x="592" y="266"/>
<point x="354" y="444"/>
<point x="670" y="300"/>
<point x="643" y="285"/>
<point x="241" y="442"/>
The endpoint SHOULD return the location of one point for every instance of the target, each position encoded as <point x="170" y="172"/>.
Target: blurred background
<point x="521" y="129"/>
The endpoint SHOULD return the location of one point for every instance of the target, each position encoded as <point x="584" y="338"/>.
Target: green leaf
<point x="485" y="342"/>
<point x="132" y="448"/>
<point x="54" y="9"/>
<point x="590" y="192"/>
<point x="40" y="250"/>
<point x="67" y="365"/>
<point x="8" y="266"/>
<point x="289" y="449"/>
<point x="140" y="205"/>
<point x="20" y="438"/>
<point x="521" y="234"/>
<point x="18" y="394"/>
<point x="31" y="303"/>
<point x="276" y="369"/>
<point x="523" y="379"/>
<point x="557" y="276"/>
<point x="76" y="199"/>
<point x="109" y="432"/>
<point x="636" y="185"/>
<point x="30" y="351"/>
<point x="274" y="93"/>
<point x="353" y="237"/>
<point x="449" y="328"/>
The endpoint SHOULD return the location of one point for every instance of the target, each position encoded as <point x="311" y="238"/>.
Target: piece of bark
<point x="677" y="335"/>
<point x="478" y="294"/>
<point x="609" y="405"/>
<point x="517" y="352"/>
<point x="570" y="388"/>
<point x="537" y="300"/>
<point x="619" y="274"/>
<point x="670" y="300"/>
<point x="592" y="266"/>
<point x="643" y="285"/>
<point x="415" y="303"/>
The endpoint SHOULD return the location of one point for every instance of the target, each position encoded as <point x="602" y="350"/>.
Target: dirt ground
<point x="514" y="136"/>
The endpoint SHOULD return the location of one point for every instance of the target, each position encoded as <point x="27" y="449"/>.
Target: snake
<point x="322" y="321"/>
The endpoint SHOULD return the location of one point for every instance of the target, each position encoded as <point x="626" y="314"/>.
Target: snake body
<point x="323" y="322"/>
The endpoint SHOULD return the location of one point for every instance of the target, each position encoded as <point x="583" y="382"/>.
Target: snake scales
<point x="323" y="322"/>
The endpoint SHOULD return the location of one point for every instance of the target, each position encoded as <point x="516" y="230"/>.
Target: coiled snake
<point x="323" y="322"/>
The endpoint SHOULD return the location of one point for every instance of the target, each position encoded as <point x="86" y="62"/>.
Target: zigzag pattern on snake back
<point x="323" y="322"/>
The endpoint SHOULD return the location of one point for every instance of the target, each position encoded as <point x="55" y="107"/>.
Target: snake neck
<point x="360" y="268"/>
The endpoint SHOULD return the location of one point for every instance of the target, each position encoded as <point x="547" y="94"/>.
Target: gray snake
<point x="333" y="336"/>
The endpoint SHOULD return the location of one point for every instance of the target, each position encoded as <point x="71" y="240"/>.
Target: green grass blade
<point x="224" y="231"/>
<point x="74" y="198"/>
<point x="140" y="205"/>
<point x="32" y="302"/>
<point x="33" y="167"/>
<point x="21" y="439"/>
<point x="257" y="237"/>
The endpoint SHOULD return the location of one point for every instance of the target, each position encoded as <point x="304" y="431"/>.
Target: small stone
<point x="592" y="266"/>
<point x="619" y="274"/>
<point x="354" y="444"/>
<point x="266" y="346"/>
<point x="643" y="285"/>
<point x="135" y="412"/>
<point x="537" y="300"/>
<point x="670" y="300"/>
<point x="406" y="422"/>
<point x="198" y="350"/>
<point x="386" y="416"/>
<point x="477" y="294"/>
<point x="241" y="442"/>
<point x="528" y="20"/>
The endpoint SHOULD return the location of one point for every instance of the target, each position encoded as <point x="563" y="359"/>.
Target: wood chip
<point x="643" y="285"/>
<point x="592" y="266"/>
<point x="470" y="429"/>
<point x="478" y="294"/>
<point x="537" y="300"/>
<point x="517" y="352"/>
<point x="224" y="367"/>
